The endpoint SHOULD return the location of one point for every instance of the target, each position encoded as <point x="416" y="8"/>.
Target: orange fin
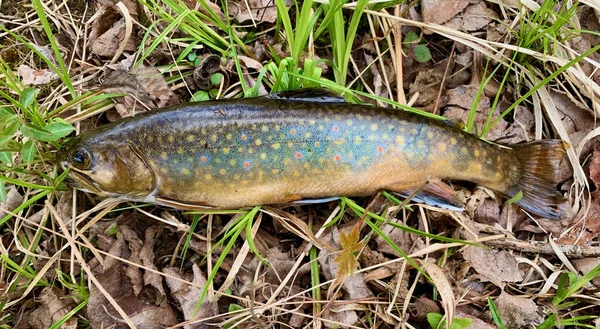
<point x="436" y="193"/>
<point x="539" y="162"/>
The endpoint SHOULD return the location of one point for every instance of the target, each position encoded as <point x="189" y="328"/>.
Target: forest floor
<point x="510" y="71"/>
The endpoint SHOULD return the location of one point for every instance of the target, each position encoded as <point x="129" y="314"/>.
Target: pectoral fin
<point x="313" y="201"/>
<point x="181" y="205"/>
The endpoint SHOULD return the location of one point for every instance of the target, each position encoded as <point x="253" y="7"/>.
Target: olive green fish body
<point x="269" y="150"/>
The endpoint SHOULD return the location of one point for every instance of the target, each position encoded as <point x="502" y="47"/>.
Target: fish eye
<point x="81" y="158"/>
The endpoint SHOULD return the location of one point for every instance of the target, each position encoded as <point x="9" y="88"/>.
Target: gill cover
<point x="113" y="169"/>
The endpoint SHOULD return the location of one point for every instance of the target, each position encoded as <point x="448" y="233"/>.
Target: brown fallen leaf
<point x="143" y="84"/>
<point x="587" y="226"/>
<point x="459" y="102"/>
<point x="188" y="296"/>
<point x="354" y="286"/>
<point x="585" y="265"/>
<point x="53" y="306"/>
<point x="477" y="16"/>
<point x="496" y="266"/>
<point x="107" y="44"/>
<point x="339" y="319"/>
<point x="476" y="323"/>
<point x="13" y="200"/>
<point x="518" y="312"/>
<point x="595" y="168"/>
<point x="122" y="281"/>
<point x="441" y="11"/>
<point x="31" y="77"/>
<point x="257" y="11"/>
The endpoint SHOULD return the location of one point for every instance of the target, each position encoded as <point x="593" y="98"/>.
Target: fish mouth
<point x="79" y="180"/>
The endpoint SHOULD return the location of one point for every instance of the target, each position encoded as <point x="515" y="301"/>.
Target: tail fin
<point x="538" y="171"/>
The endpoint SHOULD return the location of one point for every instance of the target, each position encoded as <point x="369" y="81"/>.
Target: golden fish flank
<point x="278" y="149"/>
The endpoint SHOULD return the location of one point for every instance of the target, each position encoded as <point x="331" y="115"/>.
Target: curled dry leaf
<point x="144" y="84"/>
<point x="53" y="306"/>
<point x="518" y="312"/>
<point x="188" y="296"/>
<point x="202" y="73"/>
<point x="31" y="77"/>
<point x="493" y="265"/>
<point x="440" y="280"/>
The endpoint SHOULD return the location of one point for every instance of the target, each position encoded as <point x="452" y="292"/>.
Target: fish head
<point x="107" y="168"/>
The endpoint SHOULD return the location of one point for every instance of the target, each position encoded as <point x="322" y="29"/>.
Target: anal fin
<point x="434" y="193"/>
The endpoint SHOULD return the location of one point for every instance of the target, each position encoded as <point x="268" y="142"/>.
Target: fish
<point x="302" y="146"/>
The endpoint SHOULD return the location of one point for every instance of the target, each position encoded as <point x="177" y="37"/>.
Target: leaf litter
<point x="139" y="262"/>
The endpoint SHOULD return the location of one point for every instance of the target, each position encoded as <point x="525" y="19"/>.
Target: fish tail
<point x="539" y="161"/>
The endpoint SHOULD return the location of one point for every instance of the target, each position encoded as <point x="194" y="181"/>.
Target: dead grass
<point x="73" y="260"/>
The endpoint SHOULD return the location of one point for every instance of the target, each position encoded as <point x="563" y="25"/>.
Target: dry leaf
<point x="124" y="283"/>
<point x="440" y="280"/>
<point x="54" y="306"/>
<point x="346" y="260"/>
<point x="477" y="322"/>
<point x="31" y="77"/>
<point x="108" y="43"/>
<point x="460" y="99"/>
<point x="144" y="84"/>
<point x="13" y="200"/>
<point x="188" y="295"/>
<point x="595" y="168"/>
<point x="585" y="265"/>
<point x="339" y="318"/>
<point x="493" y="265"/>
<point x="477" y="16"/>
<point x="260" y="11"/>
<point x="250" y="63"/>
<point x="585" y="230"/>
<point x="518" y="312"/>
<point x="354" y="286"/>
<point x="441" y="11"/>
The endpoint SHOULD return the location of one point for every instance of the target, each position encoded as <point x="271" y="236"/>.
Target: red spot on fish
<point x="335" y="128"/>
<point x="317" y="143"/>
<point x="203" y="159"/>
<point x="337" y="157"/>
<point x="244" y="137"/>
<point x="247" y="164"/>
<point x="298" y="155"/>
<point x="293" y="131"/>
<point x="379" y="148"/>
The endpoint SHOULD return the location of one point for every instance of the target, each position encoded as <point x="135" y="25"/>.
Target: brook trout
<point x="300" y="145"/>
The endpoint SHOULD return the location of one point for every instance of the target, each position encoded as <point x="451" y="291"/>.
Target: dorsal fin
<point x="320" y="95"/>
